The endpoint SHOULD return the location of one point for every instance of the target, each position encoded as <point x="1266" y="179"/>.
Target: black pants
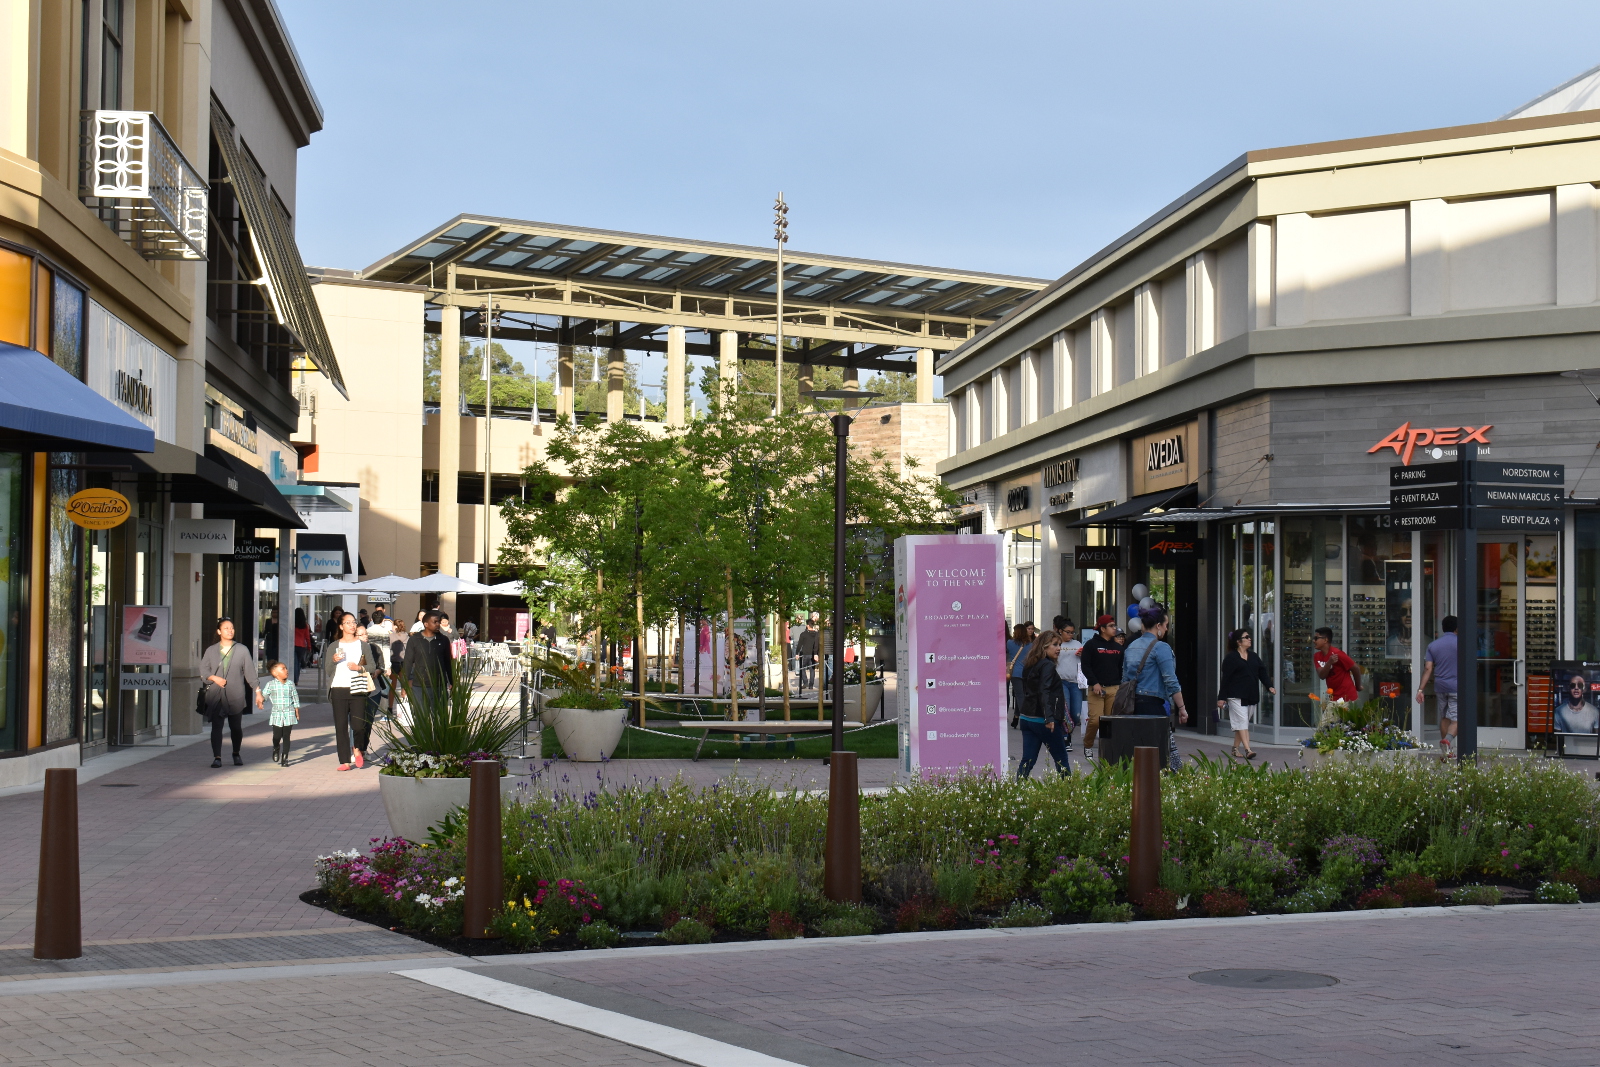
<point x="235" y="729"/>
<point x="350" y="715"/>
<point x="808" y="671"/>
<point x="280" y="741"/>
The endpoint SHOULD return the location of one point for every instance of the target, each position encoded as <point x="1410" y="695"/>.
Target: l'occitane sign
<point x="98" y="509"/>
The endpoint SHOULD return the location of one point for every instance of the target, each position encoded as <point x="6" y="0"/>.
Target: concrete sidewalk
<point x="1419" y="987"/>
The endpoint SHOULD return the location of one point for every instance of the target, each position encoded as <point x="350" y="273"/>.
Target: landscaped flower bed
<point x="742" y="862"/>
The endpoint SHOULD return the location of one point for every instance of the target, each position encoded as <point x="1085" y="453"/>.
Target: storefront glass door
<point x="1517" y="619"/>
<point x="1024" y="566"/>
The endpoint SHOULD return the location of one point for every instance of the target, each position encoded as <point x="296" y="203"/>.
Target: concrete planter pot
<point x="852" y="701"/>
<point x="587" y="736"/>
<point x="415" y="804"/>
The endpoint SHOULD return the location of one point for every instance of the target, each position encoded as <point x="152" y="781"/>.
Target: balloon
<point x="1133" y="611"/>
<point x="1148" y="602"/>
<point x="1140" y="591"/>
<point x="1134" y="626"/>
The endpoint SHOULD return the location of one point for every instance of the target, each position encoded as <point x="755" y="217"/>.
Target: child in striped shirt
<point x="283" y="697"/>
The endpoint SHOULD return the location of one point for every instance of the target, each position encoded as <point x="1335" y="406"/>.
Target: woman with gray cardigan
<point x="229" y="676"/>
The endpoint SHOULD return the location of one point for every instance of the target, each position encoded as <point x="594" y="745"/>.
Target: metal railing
<point x="133" y="176"/>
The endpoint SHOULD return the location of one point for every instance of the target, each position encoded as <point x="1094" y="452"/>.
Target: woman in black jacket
<point x="1243" y="674"/>
<point x="1043" y="711"/>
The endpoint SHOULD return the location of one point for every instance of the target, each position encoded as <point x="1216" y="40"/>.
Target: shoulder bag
<point x="1122" y="703"/>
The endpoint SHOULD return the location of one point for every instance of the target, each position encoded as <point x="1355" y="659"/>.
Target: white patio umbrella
<point x="446" y="583"/>
<point x="325" y="585"/>
<point x="511" y="588"/>
<point x="389" y="583"/>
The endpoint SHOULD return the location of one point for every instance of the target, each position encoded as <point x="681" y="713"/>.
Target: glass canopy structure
<point x="567" y="285"/>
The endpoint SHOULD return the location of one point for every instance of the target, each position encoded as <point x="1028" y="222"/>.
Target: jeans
<point x="1074" y="701"/>
<point x="235" y="731"/>
<point x="1149" y="705"/>
<point x="1035" y="734"/>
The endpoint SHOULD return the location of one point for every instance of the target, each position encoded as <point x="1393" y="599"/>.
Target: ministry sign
<point x="950" y="607"/>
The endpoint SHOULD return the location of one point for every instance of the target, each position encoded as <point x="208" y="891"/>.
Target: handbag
<point x="1122" y="703"/>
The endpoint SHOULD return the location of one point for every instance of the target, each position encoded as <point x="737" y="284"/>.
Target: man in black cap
<point x="1101" y="662"/>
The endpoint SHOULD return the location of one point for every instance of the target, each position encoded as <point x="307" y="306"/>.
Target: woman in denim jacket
<point x="1150" y="666"/>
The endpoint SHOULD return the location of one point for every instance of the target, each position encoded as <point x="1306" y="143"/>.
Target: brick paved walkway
<point x="190" y="850"/>
<point x="1448" y="988"/>
<point x="1468" y="986"/>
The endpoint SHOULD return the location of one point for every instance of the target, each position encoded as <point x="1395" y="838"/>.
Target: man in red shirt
<point x="1334" y="667"/>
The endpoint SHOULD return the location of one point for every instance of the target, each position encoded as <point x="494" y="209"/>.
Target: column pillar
<point x="806" y="381"/>
<point x="286" y="599"/>
<point x="728" y="365"/>
<point x="677" y="367"/>
<point x="616" y="383"/>
<point x="924" y="375"/>
<point x="449" y="445"/>
<point x="564" y="371"/>
<point x="852" y="380"/>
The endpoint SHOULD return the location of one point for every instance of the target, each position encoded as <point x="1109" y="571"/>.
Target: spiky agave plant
<point x="447" y="721"/>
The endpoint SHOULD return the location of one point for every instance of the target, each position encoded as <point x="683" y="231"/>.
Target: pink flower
<point x="1505" y="852"/>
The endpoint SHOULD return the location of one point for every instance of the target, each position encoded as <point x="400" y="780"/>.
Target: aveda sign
<point x="1165" y="459"/>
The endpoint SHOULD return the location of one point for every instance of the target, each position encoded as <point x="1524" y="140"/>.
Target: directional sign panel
<point x="1515" y="496"/>
<point x="1425" y="474"/>
<point x="1508" y="473"/>
<point x="1503" y="519"/>
<point x="1438" y="519"/>
<point x="1426" y="496"/>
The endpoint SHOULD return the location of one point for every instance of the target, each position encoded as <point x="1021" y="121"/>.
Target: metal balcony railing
<point x="136" y="180"/>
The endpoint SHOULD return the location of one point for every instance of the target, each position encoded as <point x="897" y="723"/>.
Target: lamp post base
<point x="841" y="877"/>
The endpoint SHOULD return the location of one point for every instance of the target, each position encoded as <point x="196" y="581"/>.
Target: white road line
<point x="653" y="1037"/>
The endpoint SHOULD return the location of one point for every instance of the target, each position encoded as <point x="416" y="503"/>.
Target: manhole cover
<point x="1255" y="978"/>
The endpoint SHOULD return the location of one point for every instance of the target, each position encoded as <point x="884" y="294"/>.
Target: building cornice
<point x="1273" y="162"/>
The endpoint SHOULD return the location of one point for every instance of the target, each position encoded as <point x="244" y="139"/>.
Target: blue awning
<point x="45" y="409"/>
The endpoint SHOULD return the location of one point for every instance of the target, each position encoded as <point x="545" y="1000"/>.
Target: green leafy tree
<point x="514" y="386"/>
<point x="601" y="512"/>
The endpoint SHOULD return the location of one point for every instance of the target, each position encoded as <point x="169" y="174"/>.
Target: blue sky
<point x="1012" y="137"/>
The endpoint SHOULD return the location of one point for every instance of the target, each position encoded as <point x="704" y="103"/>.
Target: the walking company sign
<point x="949" y="604"/>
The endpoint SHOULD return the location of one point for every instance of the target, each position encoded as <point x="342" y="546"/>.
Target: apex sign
<point x="1407" y="439"/>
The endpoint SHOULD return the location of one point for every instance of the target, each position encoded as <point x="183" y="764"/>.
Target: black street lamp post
<point x="841" y="878"/>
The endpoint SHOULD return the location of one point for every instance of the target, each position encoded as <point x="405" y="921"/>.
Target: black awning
<point x="325" y="542"/>
<point x="45" y="409"/>
<point x="228" y="487"/>
<point x="258" y="500"/>
<point x="1125" y="514"/>
<point x="1243" y="512"/>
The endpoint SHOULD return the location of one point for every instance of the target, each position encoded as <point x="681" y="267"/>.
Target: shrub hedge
<point x="745" y="861"/>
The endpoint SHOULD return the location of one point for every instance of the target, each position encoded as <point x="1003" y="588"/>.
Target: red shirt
<point x="1341" y="685"/>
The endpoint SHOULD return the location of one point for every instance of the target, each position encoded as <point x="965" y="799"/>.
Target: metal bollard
<point x="841" y="872"/>
<point x="1144" y="848"/>
<point x="485" y="878"/>
<point x="58" y="919"/>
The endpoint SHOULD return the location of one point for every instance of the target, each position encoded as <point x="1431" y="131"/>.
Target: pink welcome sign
<point x="950" y="613"/>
